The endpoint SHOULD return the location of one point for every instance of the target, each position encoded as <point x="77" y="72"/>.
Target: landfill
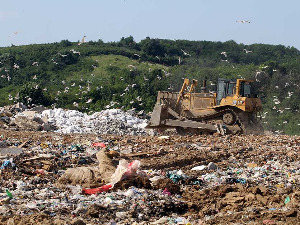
<point x="110" y="121"/>
<point x="72" y="174"/>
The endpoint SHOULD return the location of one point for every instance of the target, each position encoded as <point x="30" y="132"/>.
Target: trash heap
<point x="110" y="121"/>
<point x="111" y="179"/>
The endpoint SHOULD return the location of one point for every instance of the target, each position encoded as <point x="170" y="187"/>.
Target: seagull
<point x="247" y="51"/>
<point x="14" y="34"/>
<point x="243" y="21"/>
<point x="35" y="64"/>
<point x="179" y="61"/>
<point x="137" y="55"/>
<point x="157" y="58"/>
<point x="132" y="66"/>
<point x="82" y="40"/>
<point x="66" y="90"/>
<point x="16" y="66"/>
<point x="10" y="97"/>
<point x="75" y="104"/>
<point x="75" y="52"/>
<point x="224" y="53"/>
<point x="185" y="53"/>
<point x="54" y="61"/>
<point x="89" y="100"/>
<point x="62" y="55"/>
<point x="145" y="79"/>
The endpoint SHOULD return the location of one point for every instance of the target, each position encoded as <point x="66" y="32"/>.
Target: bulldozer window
<point x="245" y="90"/>
<point x="231" y="88"/>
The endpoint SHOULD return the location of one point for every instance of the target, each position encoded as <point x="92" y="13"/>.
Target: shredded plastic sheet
<point x="102" y="145"/>
<point x="124" y="170"/>
<point x="92" y="191"/>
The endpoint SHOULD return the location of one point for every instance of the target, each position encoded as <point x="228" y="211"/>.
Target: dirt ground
<point x="257" y="180"/>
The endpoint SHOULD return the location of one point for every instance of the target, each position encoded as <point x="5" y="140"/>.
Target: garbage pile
<point x="110" y="121"/>
<point x="111" y="179"/>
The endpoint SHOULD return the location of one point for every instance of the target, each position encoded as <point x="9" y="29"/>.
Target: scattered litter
<point x="74" y="179"/>
<point x="202" y="167"/>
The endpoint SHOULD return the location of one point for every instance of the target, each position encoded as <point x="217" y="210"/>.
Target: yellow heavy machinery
<point x="232" y="109"/>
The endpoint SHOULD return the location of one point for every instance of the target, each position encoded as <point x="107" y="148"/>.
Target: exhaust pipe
<point x="203" y="88"/>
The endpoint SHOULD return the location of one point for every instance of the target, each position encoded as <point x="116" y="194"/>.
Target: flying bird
<point x="185" y="53"/>
<point x="224" y="53"/>
<point x="82" y="40"/>
<point x="89" y="100"/>
<point x="75" y="52"/>
<point x="243" y="21"/>
<point x="179" y="61"/>
<point x="14" y="34"/>
<point x="247" y="51"/>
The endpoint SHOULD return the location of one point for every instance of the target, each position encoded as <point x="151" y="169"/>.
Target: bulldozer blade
<point x="155" y="117"/>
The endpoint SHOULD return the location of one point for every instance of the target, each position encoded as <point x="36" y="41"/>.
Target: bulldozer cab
<point x="239" y="87"/>
<point x="225" y="88"/>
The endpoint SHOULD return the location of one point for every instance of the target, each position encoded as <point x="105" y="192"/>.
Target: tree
<point x="32" y="94"/>
<point x="65" y="43"/>
<point x="152" y="47"/>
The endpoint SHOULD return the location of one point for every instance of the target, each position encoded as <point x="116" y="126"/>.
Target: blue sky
<point x="41" y="21"/>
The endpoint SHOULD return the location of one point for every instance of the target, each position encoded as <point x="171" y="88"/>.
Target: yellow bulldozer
<point x="231" y="110"/>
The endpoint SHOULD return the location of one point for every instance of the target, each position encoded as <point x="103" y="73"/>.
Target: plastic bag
<point x="124" y="170"/>
<point x="97" y="190"/>
<point x="118" y="174"/>
<point x="132" y="168"/>
<point x="102" y="145"/>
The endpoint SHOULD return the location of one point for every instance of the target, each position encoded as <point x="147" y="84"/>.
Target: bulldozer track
<point x="241" y="119"/>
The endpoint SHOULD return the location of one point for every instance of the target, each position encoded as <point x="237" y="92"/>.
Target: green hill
<point x="125" y="74"/>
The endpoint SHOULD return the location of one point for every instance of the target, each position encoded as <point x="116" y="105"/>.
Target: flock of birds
<point x="85" y="89"/>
